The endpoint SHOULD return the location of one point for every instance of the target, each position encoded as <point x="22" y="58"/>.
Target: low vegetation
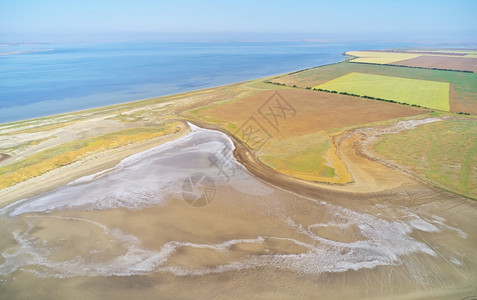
<point x="68" y="153"/>
<point x="309" y="157"/>
<point x="22" y="146"/>
<point x="443" y="152"/>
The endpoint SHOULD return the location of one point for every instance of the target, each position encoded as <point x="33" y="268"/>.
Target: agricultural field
<point x="443" y="152"/>
<point x="303" y="138"/>
<point x="457" y="63"/>
<point x="431" y="94"/>
<point x="310" y="156"/>
<point x="380" y="57"/>
<point x="460" y="52"/>
<point x="463" y="86"/>
<point x="443" y="59"/>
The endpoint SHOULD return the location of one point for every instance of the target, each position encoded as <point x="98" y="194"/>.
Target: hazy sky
<point x="54" y="20"/>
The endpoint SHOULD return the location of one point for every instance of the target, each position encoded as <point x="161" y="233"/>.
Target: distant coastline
<point x="24" y="52"/>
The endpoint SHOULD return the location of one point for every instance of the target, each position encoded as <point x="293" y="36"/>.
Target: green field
<point x="463" y="96"/>
<point x="431" y="94"/>
<point x="444" y="152"/>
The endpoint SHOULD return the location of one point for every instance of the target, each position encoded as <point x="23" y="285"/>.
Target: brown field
<point x="441" y="62"/>
<point x="444" y="52"/>
<point x="315" y="111"/>
<point x="302" y="144"/>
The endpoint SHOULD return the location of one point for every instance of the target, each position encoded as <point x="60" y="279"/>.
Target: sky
<point x="403" y="20"/>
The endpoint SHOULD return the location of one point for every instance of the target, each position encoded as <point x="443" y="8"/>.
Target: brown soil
<point x="441" y="62"/>
<point x="458" y="105"/>
<point x="4" y="156"/>
<point x="315" y="111"/>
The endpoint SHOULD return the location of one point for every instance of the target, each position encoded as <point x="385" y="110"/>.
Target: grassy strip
<point x="68" y="153"/>
<point x="9" y="150"/>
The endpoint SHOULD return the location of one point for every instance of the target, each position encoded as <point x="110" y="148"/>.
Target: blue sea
<point x="44" y="79"/>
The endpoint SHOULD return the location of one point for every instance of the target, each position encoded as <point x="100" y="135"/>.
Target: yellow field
<point x="430" y="94"/>
<point x="380" y="57"/>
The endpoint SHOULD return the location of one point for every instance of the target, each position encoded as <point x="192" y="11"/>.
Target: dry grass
<point x="20" y="147"/>
<point x="41" y="128"/>
<point x="68" y="153"/>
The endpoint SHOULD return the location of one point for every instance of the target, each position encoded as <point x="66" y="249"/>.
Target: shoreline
<point x="177" y="94"/>
<point x="369" y="173"/>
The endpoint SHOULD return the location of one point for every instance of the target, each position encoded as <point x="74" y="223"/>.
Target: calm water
<point x="67" y="77"/>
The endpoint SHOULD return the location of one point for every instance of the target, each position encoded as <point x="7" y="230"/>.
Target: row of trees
<point x="275" y="83"/>
<point x="362" y="96"/>
<point x="355" y="95"/>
